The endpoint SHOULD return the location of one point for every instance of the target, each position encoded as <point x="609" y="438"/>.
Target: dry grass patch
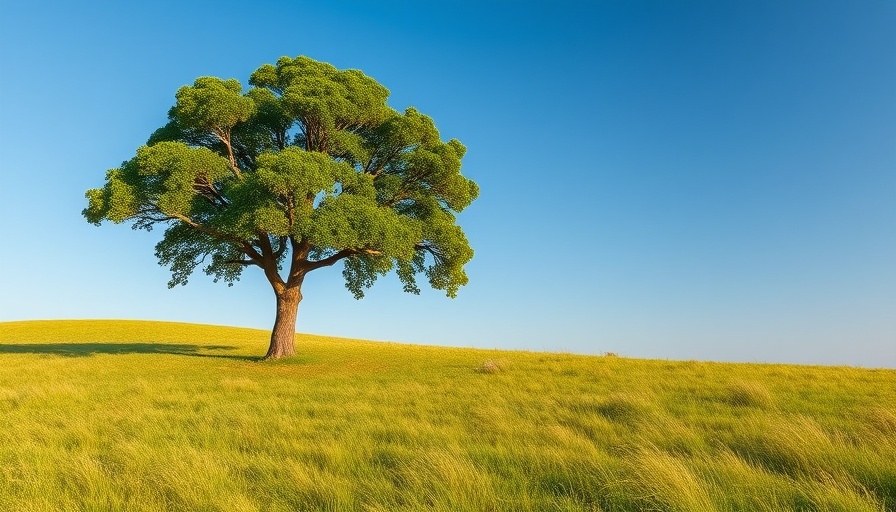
<point x="748" y="394"/>
<point x="666" y="483"/>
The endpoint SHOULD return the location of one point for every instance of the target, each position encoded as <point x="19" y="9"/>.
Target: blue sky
<point x="684" y="180"/>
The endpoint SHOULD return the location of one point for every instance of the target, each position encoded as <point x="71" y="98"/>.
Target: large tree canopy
<point x="307" y="168"/>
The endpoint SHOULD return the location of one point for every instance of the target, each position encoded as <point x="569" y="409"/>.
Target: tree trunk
<point x="284" y="333"/>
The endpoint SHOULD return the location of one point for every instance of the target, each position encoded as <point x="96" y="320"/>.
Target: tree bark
<point x="284" y="333"/>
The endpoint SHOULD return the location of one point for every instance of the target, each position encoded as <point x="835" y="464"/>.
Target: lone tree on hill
<point x="308" y="168"/>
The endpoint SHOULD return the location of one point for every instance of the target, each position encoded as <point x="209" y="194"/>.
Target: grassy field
<point x="114" y="415"/>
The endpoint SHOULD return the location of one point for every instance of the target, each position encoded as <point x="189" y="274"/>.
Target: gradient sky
<point x="686" y="180"/>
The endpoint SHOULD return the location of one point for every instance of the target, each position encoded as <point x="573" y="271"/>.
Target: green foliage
<point x="322" y="97"/>
<point x="310" y="166"/>
<point x="212" y="103"/>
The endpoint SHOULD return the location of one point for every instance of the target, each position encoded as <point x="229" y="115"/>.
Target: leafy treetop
<point x="307" y="168"/>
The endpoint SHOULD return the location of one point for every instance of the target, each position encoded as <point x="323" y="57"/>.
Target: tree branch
<point x="281" y="247"/>
<point x="382" y="163"/>
<point x="298" y="266"/>
<point x="207" y="190"/>
<point x="431" y="250"/>
<point x="268" y="262"/>
<point x="326" y="262"/>
<point x="223" y="134"/>
<point x="205" y="229"/>
<point x="250" y="251"/>
<point x="330" y="260"/>
<point x="267" y="251"/>
<point x="242" y="245"/>
<point x="241" y="262"/>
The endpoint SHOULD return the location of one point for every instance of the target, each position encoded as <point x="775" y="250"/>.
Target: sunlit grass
<point x="113" y="415"/>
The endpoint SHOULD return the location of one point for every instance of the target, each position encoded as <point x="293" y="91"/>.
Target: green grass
<point x="114" y="415"/>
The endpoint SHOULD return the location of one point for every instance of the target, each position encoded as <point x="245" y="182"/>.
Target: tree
<point x="308" y="168"/>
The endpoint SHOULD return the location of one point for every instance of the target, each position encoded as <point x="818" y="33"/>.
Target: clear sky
<point x="708" y="180"/>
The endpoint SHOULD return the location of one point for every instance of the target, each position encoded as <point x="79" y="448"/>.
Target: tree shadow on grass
<point x="89" y="349"/>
